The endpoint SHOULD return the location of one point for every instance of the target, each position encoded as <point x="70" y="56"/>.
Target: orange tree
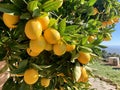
<point x="47" y="44"/>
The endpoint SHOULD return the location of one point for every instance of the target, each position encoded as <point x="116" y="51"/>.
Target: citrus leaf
<point x="10" y="85"/>
<point x="52" y="22"/>
<point x="24" y="86"/>
<point x="91" y="2"/>
<point x="32" y="5"/>
<point x="102" y="46"/>
<point x="18" y="3"/>
<point x="9" y="8"/>
<point x="36" y="13"/>
<point x="51" y="5"/>
<point x="25" y="16"/>
<point x="84" y="49"/>
<point x="3" y="52"/>
<point x="71" y="27"/>
<point x="62" y="26"/>
<point x="21" y="68"/>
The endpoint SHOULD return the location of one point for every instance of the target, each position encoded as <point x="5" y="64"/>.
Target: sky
<point x="115" y="36"/>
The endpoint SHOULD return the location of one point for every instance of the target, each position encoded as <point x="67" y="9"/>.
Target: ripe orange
<point x="116" y="19"/>
<point x="33" y="29"/>
<point x="48" y="47"/>
<point x="45" y="82"/>
<point x="70" y="47"/>
<point x="91" y="38"/>
<point x="32" y="53"/>
<point x="59" y="48"/>
<point x="104" y="24"/>
<point x="51" y="35"/>
<point x="31" y="76"/>
<point x="38" y="45"/>
<point x="44" y="21"/>
<point x="95" y="11"/>
<point x="10" y="20"/>
<point x="107" y="37"/>
<point x="84" y="75"/>
<point x="84" y="57"/>
<point x="110" y="22"/>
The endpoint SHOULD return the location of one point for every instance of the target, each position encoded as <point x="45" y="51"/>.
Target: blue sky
<point x="115" y="36"/>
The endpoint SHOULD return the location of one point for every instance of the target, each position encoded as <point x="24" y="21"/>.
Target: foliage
<point x="75" y="20"/>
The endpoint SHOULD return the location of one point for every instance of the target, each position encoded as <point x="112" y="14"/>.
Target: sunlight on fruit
<point x="10" y="20"/>
<point x="37" y="45"/>
<point x="51" y="35"/>
<point x="84" y="57"/>
<point x="31" y="76"/>
<point x="33" y="29"/>
<point x="70" y="47"/>
<point x="59" y="48"/>
<point x="44" y="21"/>
<point x="45" y="82"/>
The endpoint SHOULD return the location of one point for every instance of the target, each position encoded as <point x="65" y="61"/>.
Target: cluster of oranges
<point x="42" y="37"/>
<point x="110" y="22"/>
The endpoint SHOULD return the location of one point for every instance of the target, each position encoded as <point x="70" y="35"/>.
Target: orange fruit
<point x="32" y="53"/>
<point x="59" y="48"/>
<point x="10" y="20"/>
<point x="33" y="29"/>
<point x="95" y="11"/>
<point x="45" y="82"/>
<point x="38" y="45"/>
<point x="91" y="38"/>
<point x="115" y="20"/>
<point x="31" y="76"/>
<point x="104" y="24"/>
<point x="44" y="22"/>
<point x="84" y="57"/>
<point x="70" y="47"/>
<point x="110" y="22"/>
<point x="51" y="35"/>
<point x="48" y="47"/>
<point x="84" y="75"/>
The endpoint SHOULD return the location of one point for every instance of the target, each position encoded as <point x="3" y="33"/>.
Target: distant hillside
<point x="113" y="49"/>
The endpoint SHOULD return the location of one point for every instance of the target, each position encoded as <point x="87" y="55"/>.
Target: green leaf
<point x="36" y="13"/>
<point x="51" y="5"/>
<point x="102" y="46"/>
<point x="71" y="27"/>
<point x="3" y="53"/>
<point x="91" y="2"/>
<point x="10" y="84"/>
<point x="2" y="70"/>
<point x="21" y="68"/>
<point x="25" y="16"/>
<point x="62" y="26"/>
<point x="32" y="5"/>
<point x="84" y="49"/>
<point x="18" y="3"/>
<point x="24" y="86"/>
<point x="52" y="22"/>
<point x="9" y="8"/>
